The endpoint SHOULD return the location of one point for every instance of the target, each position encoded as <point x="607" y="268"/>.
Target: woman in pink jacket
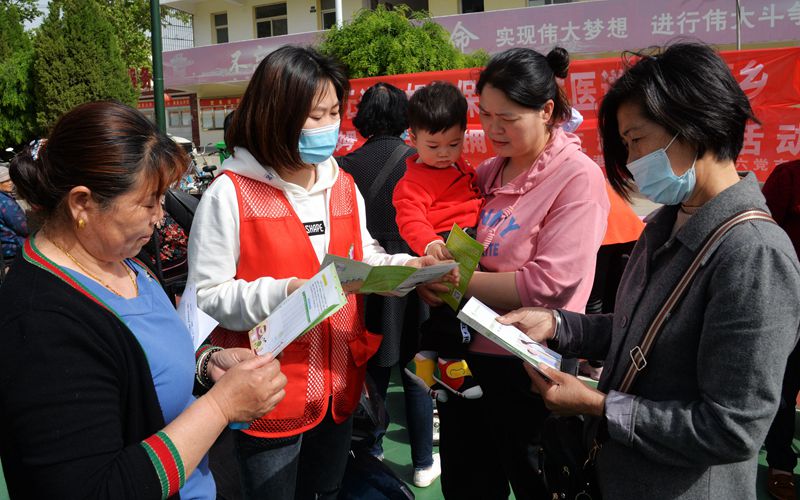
<point x="541" y="226"/>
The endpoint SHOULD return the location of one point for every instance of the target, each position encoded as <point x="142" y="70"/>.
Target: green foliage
<point x="77" y="59"/>
<point x="131" y="22"/>
<point x="389" y="42"/>
<point x="477" y="59"/>
<point x="27" y="9"/>
<point x="12" y="34"/>
<point x="16" y="77"/>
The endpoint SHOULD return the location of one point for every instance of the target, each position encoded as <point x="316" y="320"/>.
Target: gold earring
<point x="81" y="224"/>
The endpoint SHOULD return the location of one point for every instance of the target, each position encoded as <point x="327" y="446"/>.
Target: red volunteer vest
<point x="330" y="360"/>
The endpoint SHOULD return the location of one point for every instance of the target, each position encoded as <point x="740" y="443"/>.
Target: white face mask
<point x="657" y="181"/>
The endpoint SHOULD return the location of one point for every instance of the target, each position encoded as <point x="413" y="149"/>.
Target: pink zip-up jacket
<point x="546" y="225"/>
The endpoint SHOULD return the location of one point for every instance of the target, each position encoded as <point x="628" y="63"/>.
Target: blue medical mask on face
<point x="657" y="181"/>
<point x="317" y="144"/>
<point x="404" y="135"/>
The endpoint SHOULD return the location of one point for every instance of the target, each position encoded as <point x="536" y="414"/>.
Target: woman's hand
<point x="222" y="361"/>
<point x="429" y="292"/>
<point x="249" y="389"/>
<point x="565" y="394"/>
<point x="294" y="285"/>
<point x="537" y="323"/>
<point x="419" y="262"/>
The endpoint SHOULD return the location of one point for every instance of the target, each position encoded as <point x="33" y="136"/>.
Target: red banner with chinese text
<point x="769" y="77"/>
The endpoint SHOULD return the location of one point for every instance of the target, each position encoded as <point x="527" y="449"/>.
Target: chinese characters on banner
<point x="769" y="77"/>
<point x="616" y="25"/>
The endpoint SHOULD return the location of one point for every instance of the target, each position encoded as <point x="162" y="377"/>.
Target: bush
<point x="389" y="42"/>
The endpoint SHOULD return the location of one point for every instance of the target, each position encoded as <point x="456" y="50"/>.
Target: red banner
<point x="769" y="77"/>
<point x="225" y="102"/>
<point x="170" y="103"/>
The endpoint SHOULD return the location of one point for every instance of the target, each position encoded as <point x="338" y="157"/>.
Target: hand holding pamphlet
<point x="318" y="298"/>
<point x="467" y="252"/>
<point x="484" y="320"/>
<point x="358" y="277"/>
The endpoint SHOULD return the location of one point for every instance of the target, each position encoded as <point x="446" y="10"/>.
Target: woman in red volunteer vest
<point x="260" y="231"/>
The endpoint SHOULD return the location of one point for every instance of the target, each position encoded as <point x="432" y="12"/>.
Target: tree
<point x="77" y="59"/>
<point x="131" y="22"/>
<point x="27" y="9"/>
<point x="389" y="42"/>
<point x="16" y="79"/>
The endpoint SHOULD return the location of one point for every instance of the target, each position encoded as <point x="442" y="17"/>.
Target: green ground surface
<point x="398" y="454"/>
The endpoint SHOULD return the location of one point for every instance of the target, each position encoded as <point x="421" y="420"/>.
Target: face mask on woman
<point x="657" y="181"/>
<point x="317" y="144"/>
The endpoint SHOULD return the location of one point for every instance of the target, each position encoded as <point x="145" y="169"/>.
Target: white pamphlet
<point x="484" y="320"/>
<point x="301" y="311"/>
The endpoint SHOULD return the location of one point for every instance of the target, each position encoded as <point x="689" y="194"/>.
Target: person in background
<point x="782" y="193"/>
<point x="13" y="222"/>
<point x="437" y="191"/>
<point x="260" y="232"/>
<point x="542" y="222"/>
<point x="96" y="388"/>
<point x="382" y="119"/>
<point x="692" y="424"/>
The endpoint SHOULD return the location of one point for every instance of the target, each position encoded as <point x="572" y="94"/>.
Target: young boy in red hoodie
<point x="438" y="189"/>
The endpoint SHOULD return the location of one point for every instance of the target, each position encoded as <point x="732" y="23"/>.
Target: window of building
<point x="536" y="3"/>
<point x="220" y="27"/>
<point x="327" y="13"/>
<point x="179" y="118"/>
<point x="271" y="20"/>
<point x="214" y="118"/>
<point x="468" y="6"/>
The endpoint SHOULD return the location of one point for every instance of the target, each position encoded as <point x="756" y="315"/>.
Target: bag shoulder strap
<point x="640" y="352"/>
<point x="383" y="174"/>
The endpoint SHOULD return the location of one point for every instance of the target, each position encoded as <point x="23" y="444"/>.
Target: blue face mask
<point x="317" y="144"/>
<point x="657" y="181"/>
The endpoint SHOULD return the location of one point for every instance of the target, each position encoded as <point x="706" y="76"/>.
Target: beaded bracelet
<point x="202" y="367"/>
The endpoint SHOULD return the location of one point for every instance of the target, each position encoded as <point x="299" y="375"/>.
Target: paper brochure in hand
<point x="467" y="252"/>
<point x="358" y="277"/>
<point x="301" y="311"/>
<point x="484" y="321"/>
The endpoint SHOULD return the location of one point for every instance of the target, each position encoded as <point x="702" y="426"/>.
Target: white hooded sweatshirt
<point x="237" y="304"/>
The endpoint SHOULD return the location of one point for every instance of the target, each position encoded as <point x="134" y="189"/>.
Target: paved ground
<point x="398" y="453"/>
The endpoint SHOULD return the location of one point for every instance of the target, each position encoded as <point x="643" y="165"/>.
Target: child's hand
<point x="438" y="251"/>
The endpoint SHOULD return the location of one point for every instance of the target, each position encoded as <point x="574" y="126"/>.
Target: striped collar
<point x="33" y="255"/>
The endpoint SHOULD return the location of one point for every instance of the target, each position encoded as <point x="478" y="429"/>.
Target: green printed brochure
<point x="318" y="298"/>
<point x="358" y="277"/>
<point x="467" y="252"/>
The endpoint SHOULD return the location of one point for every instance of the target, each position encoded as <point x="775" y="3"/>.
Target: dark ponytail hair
<point x="529" y="79"/>
<point x="105" y="146"/>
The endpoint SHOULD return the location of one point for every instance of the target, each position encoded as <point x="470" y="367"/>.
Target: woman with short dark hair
<point x="692" y="423"/>
<point x="260" y="231"/>
<point x="96" y="388"/>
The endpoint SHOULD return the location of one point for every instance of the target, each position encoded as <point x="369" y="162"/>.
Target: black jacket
<point x="76" y="394"/>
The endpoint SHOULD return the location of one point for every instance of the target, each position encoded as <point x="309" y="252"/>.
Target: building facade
<point x="231" y="37"/>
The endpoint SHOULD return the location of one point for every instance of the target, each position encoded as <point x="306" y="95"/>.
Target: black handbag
<point x="566" y="467"/>
<point x="569" y="446"/>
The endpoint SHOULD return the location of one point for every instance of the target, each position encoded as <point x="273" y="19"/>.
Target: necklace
<point x="128" y="270"/>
